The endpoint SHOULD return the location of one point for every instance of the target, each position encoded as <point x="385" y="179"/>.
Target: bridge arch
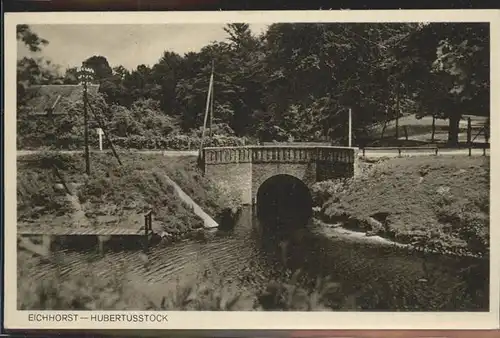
<point x="244" y="169"/>
<point x="284" y="202"/>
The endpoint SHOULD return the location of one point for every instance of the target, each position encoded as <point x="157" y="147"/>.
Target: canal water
<point x="370" y="276"/>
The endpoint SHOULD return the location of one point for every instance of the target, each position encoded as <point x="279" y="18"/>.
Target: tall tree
<point x="110" y="83"/>
<point x="101" y="67"/>
<point x="29" y="38"/>
<point x="328" y="68"/>
<point x="447" y="69"/>
<point x="32" y="70"/>
<point x="71" y="76"/>
<point x="166" y="74"/>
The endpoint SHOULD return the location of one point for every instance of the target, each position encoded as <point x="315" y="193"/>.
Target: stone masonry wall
<point x="244" y="169"/>
<point x="233" y="176"/>
<point x="231" y="168"/>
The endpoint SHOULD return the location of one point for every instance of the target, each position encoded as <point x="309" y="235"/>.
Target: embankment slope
<point x="115" y="195"/>
<point x="440" y="203"/>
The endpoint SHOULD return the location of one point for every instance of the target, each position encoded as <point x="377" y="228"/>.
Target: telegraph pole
<point x="207" y="109"/>
<point x="397" y="110"/>
<point x="85" y="76"/>
<point x="86" y="128"/>
<point x="212" y="102"/>
<point x="350" y="127"/>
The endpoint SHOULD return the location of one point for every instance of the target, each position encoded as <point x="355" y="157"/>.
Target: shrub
<point x="290" y="296"/>
<point x="322" y="191"/>
<point x="175" y="142"/>
<point x="87" y="292"/>
<point x="36" y="195"/>
<point x="208" y="291"/>
<point x="142" y="126"/>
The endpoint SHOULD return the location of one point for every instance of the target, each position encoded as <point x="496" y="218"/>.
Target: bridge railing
<point x="278" y="153"/>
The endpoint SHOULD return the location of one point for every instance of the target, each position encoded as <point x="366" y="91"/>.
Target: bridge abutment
<point x="242" y="170"/>
<point x="230" y="169"/>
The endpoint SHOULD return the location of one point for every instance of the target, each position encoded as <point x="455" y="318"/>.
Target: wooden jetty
<point x="103" y="234"/>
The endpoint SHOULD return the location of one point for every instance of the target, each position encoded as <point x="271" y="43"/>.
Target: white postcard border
<point x="14" y="319"/>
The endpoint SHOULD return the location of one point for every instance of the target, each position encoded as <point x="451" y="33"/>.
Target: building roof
<point x="43" y="98"/>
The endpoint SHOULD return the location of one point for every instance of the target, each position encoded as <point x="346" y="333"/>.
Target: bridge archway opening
<point x="284" y="203"/>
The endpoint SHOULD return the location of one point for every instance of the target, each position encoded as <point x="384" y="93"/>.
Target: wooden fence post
<point x="469" y="134"/>
<point x="433" y="128"/>
<point x="486" y="136"/>
<point x="148" y="227"/>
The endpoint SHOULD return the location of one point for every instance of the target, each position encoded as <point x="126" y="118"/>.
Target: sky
<point x="126" y="45"/>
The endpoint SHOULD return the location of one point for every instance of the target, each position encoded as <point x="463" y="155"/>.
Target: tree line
<point x="293" y="81"/>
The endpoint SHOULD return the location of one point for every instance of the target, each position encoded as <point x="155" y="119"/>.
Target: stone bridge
<point x="274" y="173"/>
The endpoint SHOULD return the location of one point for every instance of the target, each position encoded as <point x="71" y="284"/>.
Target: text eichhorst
<point x="109" y="318"/>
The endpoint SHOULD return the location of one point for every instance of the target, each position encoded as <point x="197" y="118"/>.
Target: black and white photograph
<point x="233" y="166"/>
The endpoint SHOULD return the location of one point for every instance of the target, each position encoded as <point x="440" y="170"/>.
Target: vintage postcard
<point x="251" y="170"/>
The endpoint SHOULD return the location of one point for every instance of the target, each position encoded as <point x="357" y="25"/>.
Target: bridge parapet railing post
<point x="268" y="153"/>
<point x="283" y="154"/>
<point x="336" y="154"/>
<point x="223" y="155"/>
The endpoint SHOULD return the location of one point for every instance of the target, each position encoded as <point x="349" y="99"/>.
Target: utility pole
<point x="86" y="129"/>
<point x="207" y="107"/>
<point x="350" y="127"/>
<point x="397" y="111"/>
<point x="85" y="76"/>
<point x="212" y="102"/>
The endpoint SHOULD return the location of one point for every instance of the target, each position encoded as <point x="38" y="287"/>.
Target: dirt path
<point x="441" y="152"/>
<point x="169" y="153"/>
<point x="371" y="153"/>
<point x="78" y="217"/>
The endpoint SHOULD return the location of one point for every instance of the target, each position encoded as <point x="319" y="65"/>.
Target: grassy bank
<point x="437" y="203"/>
<point x="114" y="195"/>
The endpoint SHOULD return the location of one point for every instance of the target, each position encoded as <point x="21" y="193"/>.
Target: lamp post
<point x="86" y="74"/>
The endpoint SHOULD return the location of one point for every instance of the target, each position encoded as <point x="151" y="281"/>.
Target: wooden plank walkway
<point x="83" y="232"/>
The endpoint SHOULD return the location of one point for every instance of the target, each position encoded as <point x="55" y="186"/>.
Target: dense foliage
<point x="294" y="81"/>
